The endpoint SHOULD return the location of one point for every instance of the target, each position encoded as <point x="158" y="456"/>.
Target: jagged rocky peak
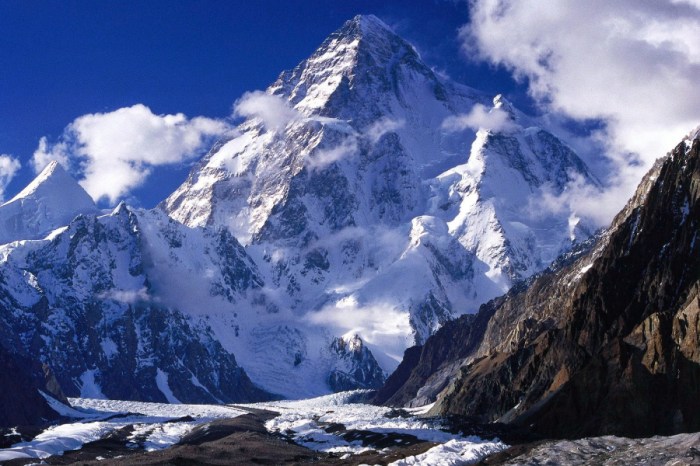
<point x="50" y="201"/>
<point x="355" y="366"/>
<point x="503" y="104"/>
<point x="113" y="304"/>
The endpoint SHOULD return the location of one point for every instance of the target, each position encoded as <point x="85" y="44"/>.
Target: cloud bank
<point x="633" y="64"/>
<point x="115" y="152"/>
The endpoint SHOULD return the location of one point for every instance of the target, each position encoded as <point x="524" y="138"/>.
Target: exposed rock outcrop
<point x="607" y="344"/>
<point x="21" y="404"/>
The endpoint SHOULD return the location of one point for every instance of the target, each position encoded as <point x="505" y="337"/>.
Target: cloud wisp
<point x="480" y="117"/>
<point x="383" y="126"/>
<point x="9" y="166"/>
<point x="631" y="64"/>
<point x="273" y="110"/>
<point x="322" y="158"/>
<point x="115" y="152"/>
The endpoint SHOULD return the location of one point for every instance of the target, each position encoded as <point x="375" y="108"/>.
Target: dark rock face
<point x="608" y="344"/>
<point x="21" y="404"/>
<point x="426" y="370"/>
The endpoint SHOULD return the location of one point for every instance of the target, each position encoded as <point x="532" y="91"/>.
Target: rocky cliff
<point x="605" y="344"/>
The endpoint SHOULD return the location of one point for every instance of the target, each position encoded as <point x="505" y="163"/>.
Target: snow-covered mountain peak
<point x="50" y="201"/>
<point x="692" y="136"/>
<point x="371" y="24"/>
<point x="120" y="209"/>
<point x="54" y="180"/>
<point x="375" y="208"/>
<point x="362" y="62"/>
<point x="503" y="104"/>
<point x="376" y="38"/>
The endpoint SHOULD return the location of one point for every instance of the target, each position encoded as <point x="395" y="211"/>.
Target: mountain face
<point x="352" y="215"/>
<point x="370" y="209"/>
<point x="52" y="200"/>
<point x="606" y="342"/>
<point x="85" y="302"/>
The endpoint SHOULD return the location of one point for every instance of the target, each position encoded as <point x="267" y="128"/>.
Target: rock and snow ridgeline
<point x="364" y="202"/>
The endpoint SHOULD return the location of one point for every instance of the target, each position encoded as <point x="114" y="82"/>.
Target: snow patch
<point x="454" y="453"/>
<point x="109" y="348"/>
<point x="162" y="384"/>
<point x="99" y="420"/>
<point x="89" y="388"/>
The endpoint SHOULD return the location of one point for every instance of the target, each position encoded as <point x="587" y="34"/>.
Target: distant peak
<point x="53" y="174"/>
<point x="121" y="209"/>
<point x="371" y="22"/>
<point x="367" y="28"/>
<point x="504" y="104"/>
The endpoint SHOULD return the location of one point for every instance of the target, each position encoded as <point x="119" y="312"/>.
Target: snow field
<point x="306" y="421"/>
<point x="95" y="419"/>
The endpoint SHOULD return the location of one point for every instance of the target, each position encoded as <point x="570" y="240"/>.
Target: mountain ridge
<point x="604" y="345"/>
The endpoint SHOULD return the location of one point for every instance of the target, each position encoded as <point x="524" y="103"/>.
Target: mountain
<point x="352" y="215"/>
<point x="52" y="200"/>
<point x="85" y="302"/>
<point x="368" y="207"/>
<point x="604" y="342"/>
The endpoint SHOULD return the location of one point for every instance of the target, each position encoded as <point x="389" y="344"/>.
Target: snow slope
<point x="52" y="200"/>
<point x="368" y="208"/>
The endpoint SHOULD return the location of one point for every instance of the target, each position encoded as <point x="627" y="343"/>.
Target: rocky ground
<point x="676" y="450"/>
<point x="245" y="440"/>
<point x="239" y="440"/>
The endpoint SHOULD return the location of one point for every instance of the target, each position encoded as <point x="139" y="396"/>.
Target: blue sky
<point x="64" y="59"/>
<point x="624" y="71"/>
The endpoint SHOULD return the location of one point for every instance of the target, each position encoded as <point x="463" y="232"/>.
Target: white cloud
<point x="273" y="110"/>
<point x="8" y="169"/>
<point x="46" y="152"/>
<point x="633" y="64"/>
<point x="127" y="296"/>
<point x="320" y="159"/>
<point x="382" y="126"/>
<point x="117" y="151"/>
<point x="377" y="323"/>
<point x="480" y="117"/>
<point x="581" y="199"/>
